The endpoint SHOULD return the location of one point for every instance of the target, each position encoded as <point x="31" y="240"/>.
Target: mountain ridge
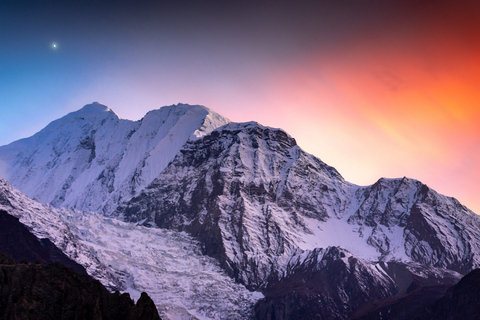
<point x="91" y="159"/>
<point x="383" y="214"/>
<point x="38" y="291"/>
<point x="271" y="215"/>
<point x="254" y="199"/>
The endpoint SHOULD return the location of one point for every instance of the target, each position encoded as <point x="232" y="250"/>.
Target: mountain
<point x="462" y="301"/>
<point x="253" y="197"/>
<point x="234" y="190"/>
<point x="257" y="202"/>
<point x="430" y="302"/>
<point x="239" y="214"/>
<point x="91" y="160"/>
<point x="36" y="291"/>
<point x="168" y="265"/>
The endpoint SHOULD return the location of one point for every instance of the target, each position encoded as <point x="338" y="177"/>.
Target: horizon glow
<point x="374" y="89"/>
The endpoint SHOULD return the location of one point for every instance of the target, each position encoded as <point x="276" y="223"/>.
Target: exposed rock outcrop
<point x="254" y="200"/>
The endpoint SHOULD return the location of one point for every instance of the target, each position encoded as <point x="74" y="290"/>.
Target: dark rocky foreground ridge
<point x="42" y="287"/>
<point x="37" y="291"/>
<point x="462" y="301"/>
<point x="17" y="241"/>
<point x="435" y="302"/>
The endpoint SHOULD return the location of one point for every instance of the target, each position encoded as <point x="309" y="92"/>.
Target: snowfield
<point x="92" y="160"/>
<point x="168" y="265"/>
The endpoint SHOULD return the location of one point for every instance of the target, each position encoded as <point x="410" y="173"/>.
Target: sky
<point x="373" y="88"/>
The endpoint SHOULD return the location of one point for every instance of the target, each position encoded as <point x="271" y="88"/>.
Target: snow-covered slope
<point x="253" y="197"/>
<point x="92" y="160"/>
<point x="410" y="221"/>
<point x="168" y="265"/>
<point x="242" y="191"/>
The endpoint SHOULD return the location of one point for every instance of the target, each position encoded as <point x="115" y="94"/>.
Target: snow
<point x="93" y="108"/>
<point x="338" y="232"/>
<point x="91" y="160"/>
<point x="168" y="265"/>
<point x="397" y="252"/>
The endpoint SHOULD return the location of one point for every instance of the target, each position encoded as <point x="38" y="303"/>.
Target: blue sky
<point x="373" y="88"/>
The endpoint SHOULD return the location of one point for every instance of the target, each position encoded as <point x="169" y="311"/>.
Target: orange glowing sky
<point x="403" y="102"/>
<point x="373" y="88"/>
<point x="384" y="113"/>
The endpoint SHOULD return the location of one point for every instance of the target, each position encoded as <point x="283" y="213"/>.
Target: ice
<point x="338" y="232"/>
<point x="91" y="160"/>
<point x="168" y="265"/>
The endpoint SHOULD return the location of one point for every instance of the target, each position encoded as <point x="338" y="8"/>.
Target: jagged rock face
<point x="418" y="288"/>
<point x="17" y="241"/>
<point x="244" y="191"/>
<point x="34" y="291"/>
<point x="333" y="284"/>
<point x="252" y="197"/>
<point x="92" y="160"/>
<point x="324" y="284"/>
<point x="423" y="301"/>
<point x="411" y="221"/>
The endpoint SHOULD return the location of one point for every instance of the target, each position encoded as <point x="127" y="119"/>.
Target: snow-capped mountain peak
<point x="254" y="198"/>
<point x="92" y="160"/>
<point x="94" y="108"/>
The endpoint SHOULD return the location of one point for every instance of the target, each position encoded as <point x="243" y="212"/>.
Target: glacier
<point x="169" y="265"/>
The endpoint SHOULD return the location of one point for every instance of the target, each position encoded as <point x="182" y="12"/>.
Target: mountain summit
<point x="91" y="159"/>
<point x="93" y="108"/>
<point x="254" y="199"/>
